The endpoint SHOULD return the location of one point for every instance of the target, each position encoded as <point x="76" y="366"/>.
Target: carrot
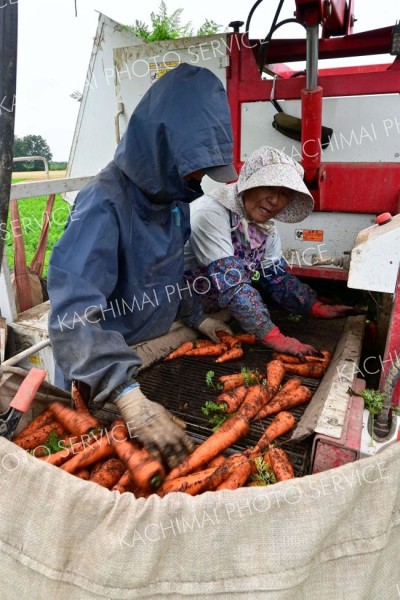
<point x="146" y="472"/>
<point x="314" y="370"/>
<point x="233" y="381"/>
<point x="275" y="374"/>
<point x="181" y="351"/>
<point x="214" y="350"/>
<point x="226" y="338"/>
<point x="88" y="456"/>
<point x="78" y="400"/>
<point x="255" y="398"/>
<point x="44" y="418"/>
<point x="201" y="481"/>
<point x="232" y="399"/>
<point x="231" y="354"/>
<point x="204" y="343"/>
<point x="97" y="466"/>
<point x="217" y="461"/>
<point x="83" y="474"/>
<point x="287" y="401"/>
<point x="190" y="484"/>
<point x="109" y="473"/>
<point x="239" y="476"/>
<point x="247" y="338"/>
<point x="125" y="482"/>
<point x="282" y="423"/>
<point x="280" y="464"/>
<point x="292" y="384"/>
<point x="226" y="435"/>
<point x="75" y="422"/>
<point x="294" y="360"/>
<point x="39" y="436"/>
<point x="67" y="451"/>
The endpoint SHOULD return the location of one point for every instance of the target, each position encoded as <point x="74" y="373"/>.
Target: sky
<point x="54" y="49"/>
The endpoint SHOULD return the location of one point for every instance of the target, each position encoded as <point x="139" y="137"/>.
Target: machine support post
<point x="311" y="110"/>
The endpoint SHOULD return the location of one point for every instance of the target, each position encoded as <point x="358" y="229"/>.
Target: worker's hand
<point x="288" y="345"/>
<point x="209" y="327"/>
<point x="153" y="426"/>
<point x="333" y="311"/>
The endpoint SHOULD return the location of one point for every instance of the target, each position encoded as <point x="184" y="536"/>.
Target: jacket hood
<point x="181" y="125"/>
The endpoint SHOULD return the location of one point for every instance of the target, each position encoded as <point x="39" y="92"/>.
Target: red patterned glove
<point x="281" y="343"/>
<point x="333" y="311"/>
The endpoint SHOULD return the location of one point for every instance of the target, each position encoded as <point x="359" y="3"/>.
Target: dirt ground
<point x="37" y="175"/>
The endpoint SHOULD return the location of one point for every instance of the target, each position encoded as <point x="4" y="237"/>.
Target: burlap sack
<point x="331" y="536"/>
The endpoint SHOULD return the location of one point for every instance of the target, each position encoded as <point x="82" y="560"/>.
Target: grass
<point x="31" y="213"/>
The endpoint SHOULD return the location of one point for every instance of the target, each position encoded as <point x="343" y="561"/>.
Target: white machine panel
<point x="322" y="235"/>
<point x="375" y="258"/>
<point x="365" y="128"/>
<point x="137" y="67"/>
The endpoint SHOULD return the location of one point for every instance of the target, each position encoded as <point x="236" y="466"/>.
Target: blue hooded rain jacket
<point x="116" y="275"/>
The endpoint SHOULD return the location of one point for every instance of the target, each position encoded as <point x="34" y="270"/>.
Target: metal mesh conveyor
<point x="180" y="385"/>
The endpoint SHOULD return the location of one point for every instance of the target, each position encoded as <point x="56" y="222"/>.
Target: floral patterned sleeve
<point x="285" y="289"/>
<point x="236" y="293"/>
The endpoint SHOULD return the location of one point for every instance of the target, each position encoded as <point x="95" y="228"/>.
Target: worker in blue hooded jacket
<point x="116" y="275"/>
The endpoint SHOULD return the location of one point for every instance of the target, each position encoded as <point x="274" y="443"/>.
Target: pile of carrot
<point x="104" y="456"/>
<point x="109" y="458"/>
<point x="229" y="347"/>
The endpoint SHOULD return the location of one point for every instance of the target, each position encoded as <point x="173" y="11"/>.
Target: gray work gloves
<point x="153" y="426"/>
<point x="209" y="327"/>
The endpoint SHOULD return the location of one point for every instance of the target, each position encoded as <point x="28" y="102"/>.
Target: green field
<point x="31" y="213"/>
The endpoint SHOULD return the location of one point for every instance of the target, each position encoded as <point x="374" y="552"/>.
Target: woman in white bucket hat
<point x="234" y="241"/>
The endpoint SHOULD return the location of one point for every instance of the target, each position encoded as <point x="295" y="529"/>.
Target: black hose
<point x="253" y="8"/>
<point x="267" y="39"/>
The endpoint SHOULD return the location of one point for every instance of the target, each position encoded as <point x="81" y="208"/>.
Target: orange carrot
<point x="247" y="338"/>
<point x="77" y="423"/>
<point x="83" y="474"/>
<point x="88" y="456"/>
<point x="214" y="350"/>
<point x="256" y="397"/>
<point x="146" y="472"/>
<point x="78" y="400"/>
<point x="287" y="358"/>
<point x="125" y="484"/>
<point x="217" y="461"/>
<point x="287" y="401"/>
<point x="181" y="351"/>
<point x="202" y="481"/>
<point x="294" y="360"/>
<point x="314" y="370"/>
<point x="275" y="374"/>
<point x="239" y="476"/>
<point x="226" y="338"/>
<point x="44" y="418"/>
<point x="68" y="451"/>
<point x="280" y="464"/>
<point x="226" y="435"/>
<point x="39" y="436"/>
<point x="189" y="484"/>
<point x="292" y="384"/>
<point x="283" y="422"/>
<point x="232" y="399"/>
<point x="233" y="381"/>
<point x="231" y="354"/>
<point x="204" y="343"/>
<point x="109" y="473"/>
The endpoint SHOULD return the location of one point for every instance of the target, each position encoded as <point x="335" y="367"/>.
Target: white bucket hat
<point x="270" y="167"/>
